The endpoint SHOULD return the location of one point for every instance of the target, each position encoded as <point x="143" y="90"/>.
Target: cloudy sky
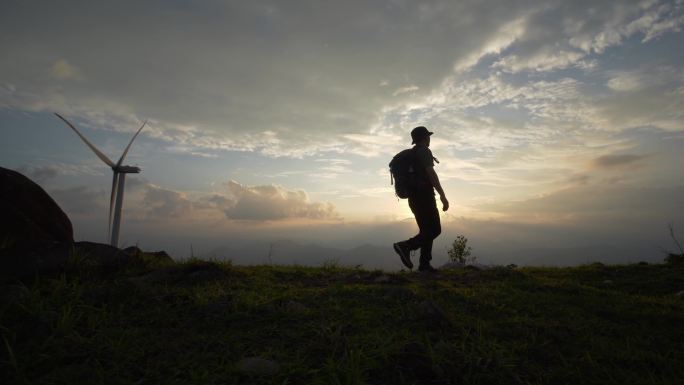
<point x="558" y="124"/>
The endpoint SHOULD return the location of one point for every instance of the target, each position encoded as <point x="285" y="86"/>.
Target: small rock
<point x="607" y="282"/>
<point x="680" y="294"/>
<point x="161" y="256"/>
<point x="132" y="251"/>
<point x="101" y="254"/>
<point x="257" y="366"/>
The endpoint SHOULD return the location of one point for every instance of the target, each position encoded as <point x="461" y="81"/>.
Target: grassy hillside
<point x="195" y="323"/>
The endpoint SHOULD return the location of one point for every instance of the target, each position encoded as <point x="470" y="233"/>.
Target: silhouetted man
<point x="422" y="203"/>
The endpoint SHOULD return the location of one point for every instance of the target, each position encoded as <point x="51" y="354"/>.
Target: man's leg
<point x="431" y="229"/>
<point x="417" y="206"/>
<point x="404" y="248"/>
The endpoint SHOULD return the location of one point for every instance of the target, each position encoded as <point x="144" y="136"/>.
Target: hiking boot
<point x="427" y="268"/>
<point x="404" y="253"/>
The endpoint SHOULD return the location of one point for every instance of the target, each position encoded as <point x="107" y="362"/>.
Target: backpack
<point x="402" y="172"/>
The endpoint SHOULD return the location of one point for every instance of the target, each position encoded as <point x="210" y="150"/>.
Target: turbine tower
<point x="120" y="171"/>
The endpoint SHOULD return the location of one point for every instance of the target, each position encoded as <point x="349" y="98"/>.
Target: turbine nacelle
<point x="126" y="169"/>
<point x="118" y="182"/>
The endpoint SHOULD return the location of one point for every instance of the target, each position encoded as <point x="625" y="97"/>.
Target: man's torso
<point x="422" y="161"/>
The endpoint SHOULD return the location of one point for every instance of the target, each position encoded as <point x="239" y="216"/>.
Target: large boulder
<point x="30" y="217"/>
<point x="35" y="234"/>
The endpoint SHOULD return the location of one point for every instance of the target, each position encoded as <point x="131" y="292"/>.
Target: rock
<point x="161" y="256"/>
<point x="680" y="294"/>
<point x="132" y="251"/>
<point x="257" y="366"/>
<point x="607" y="282"/>
<point x="100" y="254"/>
<point x="25" y="263"/>
<point x="158" y="256"/>
<point x="30" y="217"/>
<point x="35" y="234"/>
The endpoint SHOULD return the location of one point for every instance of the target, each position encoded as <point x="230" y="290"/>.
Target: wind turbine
<point x="118" y="182"/>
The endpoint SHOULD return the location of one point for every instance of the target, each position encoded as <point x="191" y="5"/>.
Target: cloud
<point x="79" y="200"/>
<point x="506" y="35"/>
<point x="62" y="70"/>
<point x="164" y="203"/>
<point x="579" y="179"/>
<point x="272" y="202"/>
<point x="407" y="89"/>
<point x="331" y="167"/>
<point x="616" y="160"/>
<point x="644" y="97"/>
<point x="562" y="35"/>
<point x="659" y="78"/>
<point x="624" y="82"/>
<point x="265" y="78"/>
<point x="595" y="205"/>
<point x="150" y="202"/>
<point x="41" y="173"/>
<point x="546" y="60"/>
<point x="253" y="77"/>
<point x="522" y="95"/>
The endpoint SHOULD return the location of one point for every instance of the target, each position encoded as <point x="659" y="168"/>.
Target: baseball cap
<point x="419" y="133"/>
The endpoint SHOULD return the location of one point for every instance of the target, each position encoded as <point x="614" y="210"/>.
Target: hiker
<point x="421" y="198"/>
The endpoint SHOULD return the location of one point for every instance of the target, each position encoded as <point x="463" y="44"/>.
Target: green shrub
<point x="460" y="252"/>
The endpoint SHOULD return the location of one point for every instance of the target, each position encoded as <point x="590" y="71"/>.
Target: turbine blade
<point x="129" y="145"/>
<point x="97" y="152"/>
<point x="115" y="185"/>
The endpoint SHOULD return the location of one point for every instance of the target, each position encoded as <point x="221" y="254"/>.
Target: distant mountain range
<point x="288" y="252"/>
